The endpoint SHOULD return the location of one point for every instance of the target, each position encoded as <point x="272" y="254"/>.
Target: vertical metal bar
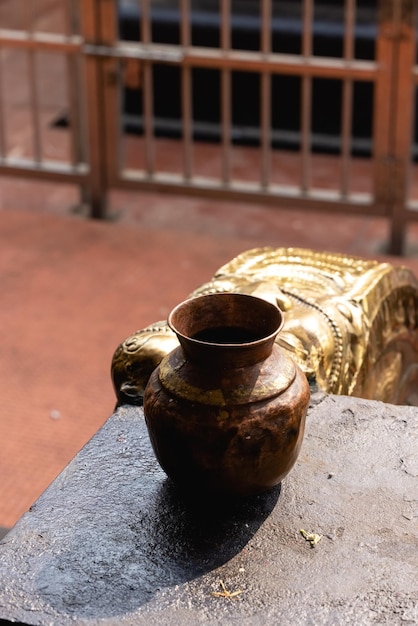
<point x="34" y="104"/>
<point x="266" y="15"/>
<point x="306" y="133"/>
<point x="3" y="149"/>
<point x="76" y="97"/>
<point x="382" y="105"/>
<point x="226" y="25"/>
<point x="33" y="85"/>
<point x="68" y="18"/>
<point x="72" y="21"/>
<point x="306" y="98"/>
<point x="185" y="23"/>
<point x="145" y="10"/>
<point x="76" y="146"/>
<point x="266" y="12"/>
<point x="97" y="181"/>
<point x="148" y="99"/>
<point x="349" y="27"/>
<point x="346" y="134"/>
<point x="405" y="56"/>
<point x="186" y="92"/>
<point x="307" y="28"/>
<point x="226" y="92"/>
<point x="72" y="62"/>
<point x="148" y="106"/>
<point x="265" y="130"/>
<point x="30" y="14"/>
<point x="347" y="99"/>
<point x="111" y="85"/>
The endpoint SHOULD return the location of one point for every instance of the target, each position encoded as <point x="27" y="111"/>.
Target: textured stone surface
<point x="111" y="542"/>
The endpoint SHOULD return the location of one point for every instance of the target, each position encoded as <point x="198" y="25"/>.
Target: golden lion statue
<point x="351" y="324"/>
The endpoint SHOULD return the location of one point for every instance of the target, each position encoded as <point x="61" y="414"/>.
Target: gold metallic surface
<point x="350" y="324"/>
<point x="275" y="380"/>
<point x="135" y="359"/>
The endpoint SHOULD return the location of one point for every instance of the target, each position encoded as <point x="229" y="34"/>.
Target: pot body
<point x="227" y="418"/>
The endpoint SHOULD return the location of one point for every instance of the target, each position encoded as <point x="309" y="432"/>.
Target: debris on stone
<point x="225" y="593"/>
<point x="312" y="538"/>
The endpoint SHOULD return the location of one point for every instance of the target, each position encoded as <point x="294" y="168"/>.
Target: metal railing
<point x="23" y="40"/>
<point x="101" y="62"/>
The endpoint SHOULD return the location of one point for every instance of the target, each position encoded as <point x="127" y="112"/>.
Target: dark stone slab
<point x="111" y="542"/>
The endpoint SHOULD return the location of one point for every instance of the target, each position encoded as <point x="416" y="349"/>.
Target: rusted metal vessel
<point x="226" y="409"/>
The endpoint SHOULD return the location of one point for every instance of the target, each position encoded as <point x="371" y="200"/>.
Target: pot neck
<point x="206" y="354"/>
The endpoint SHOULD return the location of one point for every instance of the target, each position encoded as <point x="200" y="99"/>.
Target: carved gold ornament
<point x="351" y="324"/>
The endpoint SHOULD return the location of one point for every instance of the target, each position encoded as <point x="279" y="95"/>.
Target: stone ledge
<point x="110" y="542"/>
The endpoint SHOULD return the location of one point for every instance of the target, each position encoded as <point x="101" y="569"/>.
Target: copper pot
<point x="226" y="409"/>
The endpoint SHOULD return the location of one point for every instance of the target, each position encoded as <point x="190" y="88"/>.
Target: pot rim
<point x="261" y="340"/>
